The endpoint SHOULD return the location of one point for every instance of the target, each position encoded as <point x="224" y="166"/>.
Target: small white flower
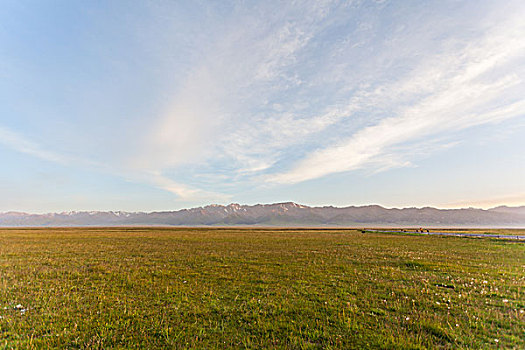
<point x="496" y="340"/>
<point x="505" y="300"/>
<point x="485" y="282"/>
<point x="437" y="302"/>
<point x="457" y="325"/>
<point x="407" y="318"/>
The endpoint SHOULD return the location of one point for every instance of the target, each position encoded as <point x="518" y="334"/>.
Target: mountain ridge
<point x="278" y="214"/>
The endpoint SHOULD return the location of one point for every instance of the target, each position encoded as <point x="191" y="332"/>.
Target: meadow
<point x="158" y="288"/>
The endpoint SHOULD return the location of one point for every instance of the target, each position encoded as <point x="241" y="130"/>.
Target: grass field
<point x="239" y="288"/>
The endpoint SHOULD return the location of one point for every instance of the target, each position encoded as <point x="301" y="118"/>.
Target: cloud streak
<point x="210" y="100"/>
<point x="21" y="144"/>
<point x="274" y="92"/>
<point x="462" y="92"/>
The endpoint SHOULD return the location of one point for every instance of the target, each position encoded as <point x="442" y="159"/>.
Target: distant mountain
<point x="510" y="210"/>
<point x="279" y="214"/>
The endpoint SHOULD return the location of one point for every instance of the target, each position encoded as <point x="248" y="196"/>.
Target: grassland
<point x="233" y="288"/>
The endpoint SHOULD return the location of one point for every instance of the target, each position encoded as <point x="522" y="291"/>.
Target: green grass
<point x="233" y="288"/>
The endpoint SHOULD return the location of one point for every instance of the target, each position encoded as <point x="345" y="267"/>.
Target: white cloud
<point x="217" y="111"/>
<point x="313" y="87"/>
<point x="486" y="203"/>
<point x="463" y="89"/>
<point x="21" y="144"/>
<point x="184" y="192"/>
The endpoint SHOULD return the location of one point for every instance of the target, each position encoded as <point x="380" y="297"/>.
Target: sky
<point x="162" y="105"/>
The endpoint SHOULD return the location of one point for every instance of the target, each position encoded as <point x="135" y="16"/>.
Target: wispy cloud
<point x="461" y="89"/>
<point x="19" y="143"/>
<point x="486" y="203"/>
<point x="184" y="192"/>
<point x="222" y="107"/>
<point x="271" y="94"/>
<point x="226" y="96"/>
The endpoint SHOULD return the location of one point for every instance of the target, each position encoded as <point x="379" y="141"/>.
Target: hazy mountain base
<point x="281" y="214"/>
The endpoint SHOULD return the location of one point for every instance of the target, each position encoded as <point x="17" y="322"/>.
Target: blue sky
<point x="160" y="105"/>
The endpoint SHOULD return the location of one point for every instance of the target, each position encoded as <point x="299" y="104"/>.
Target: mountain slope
<point x="279" y="214"/>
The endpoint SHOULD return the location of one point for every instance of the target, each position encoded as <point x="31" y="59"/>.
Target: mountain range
<point x="279" y="214"/>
